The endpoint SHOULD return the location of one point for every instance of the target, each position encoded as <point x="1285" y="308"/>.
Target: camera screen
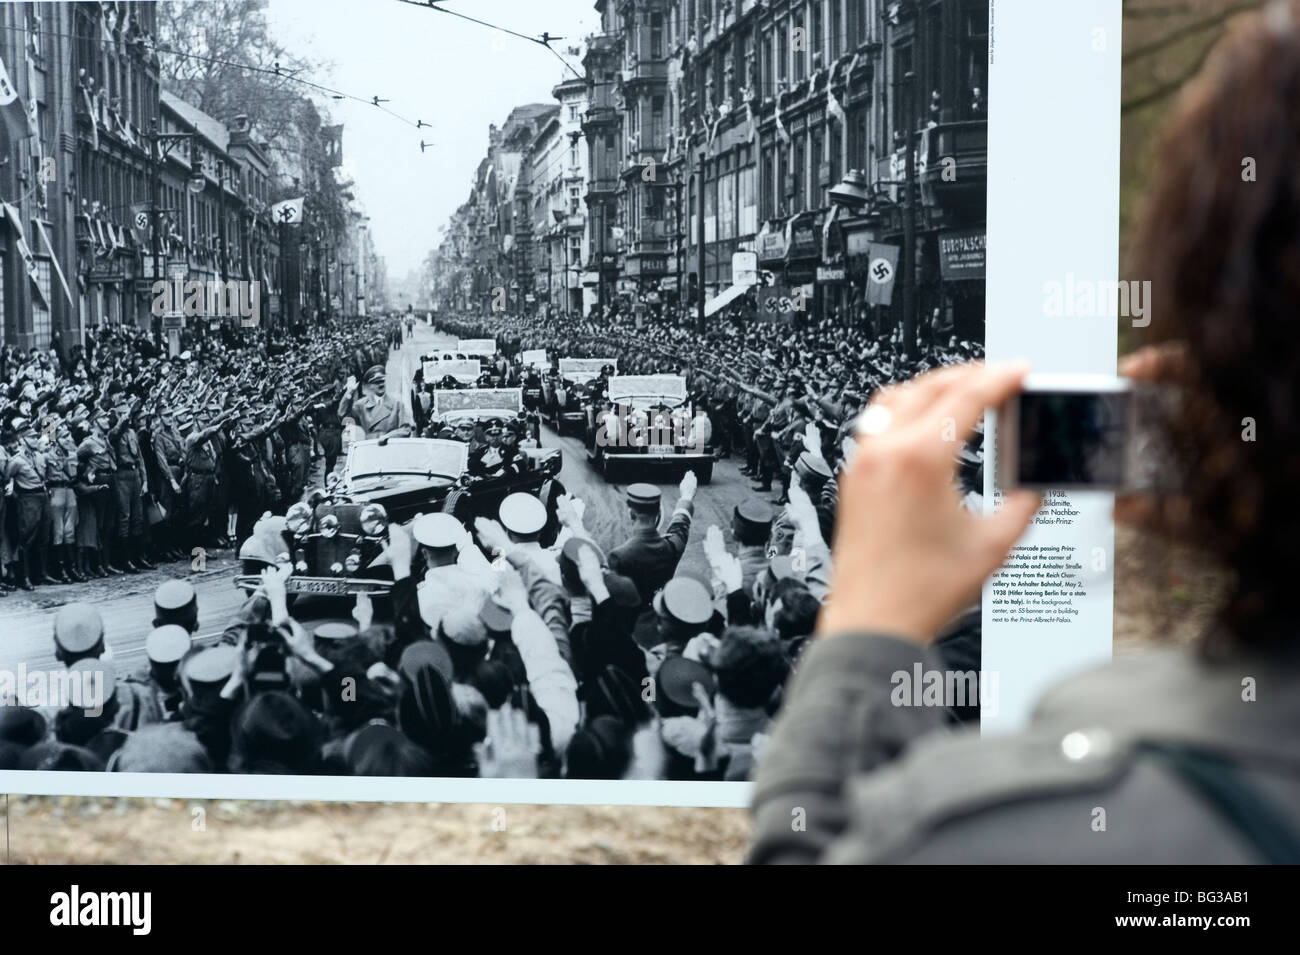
<point x="1072" y="438"/>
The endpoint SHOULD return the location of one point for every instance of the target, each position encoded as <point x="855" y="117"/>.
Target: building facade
<point x="100" y="167"/>
<point x="716" y="127"/>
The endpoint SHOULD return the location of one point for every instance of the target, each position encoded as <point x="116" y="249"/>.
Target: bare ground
<point x="1160" y="595"/>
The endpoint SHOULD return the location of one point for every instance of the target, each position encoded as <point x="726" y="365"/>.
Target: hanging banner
<point x="12" y="111"/>
<point x="882" y="269"/>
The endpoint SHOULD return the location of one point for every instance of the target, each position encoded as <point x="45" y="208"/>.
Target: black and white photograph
<point x="476" y="414"/>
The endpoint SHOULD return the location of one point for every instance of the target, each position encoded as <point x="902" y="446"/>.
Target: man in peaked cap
<point x="25" y="466"/>
<point x="649" y="558"/>
<point x="125" y="705"/>
<point x="175" y="602"/>
<point x="678" y="612"/>
<point x="456" y="573"/>
<point x="375" y="412"/>
<point x="78" y="633"/>
<point x="524" y="518"/>
<point x="165" y="647"/>
<point x="131" y="480"/>
<point x="751" y="525"/>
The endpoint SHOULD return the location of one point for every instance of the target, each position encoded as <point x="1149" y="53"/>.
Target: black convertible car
<point x="333" y="536"/>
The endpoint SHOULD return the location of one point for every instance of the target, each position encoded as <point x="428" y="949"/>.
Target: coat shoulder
<point x="1075" y="786"/>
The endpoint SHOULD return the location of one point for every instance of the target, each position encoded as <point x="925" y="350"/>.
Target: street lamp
<point x="560" y="215"/>
<point x="852" y="192"/>
<point x="160" y="147"/>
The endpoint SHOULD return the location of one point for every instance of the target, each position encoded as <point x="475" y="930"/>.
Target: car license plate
<point x="662" y="449"/>
<point x="295" y="585"/>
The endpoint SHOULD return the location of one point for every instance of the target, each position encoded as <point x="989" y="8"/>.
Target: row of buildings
<point x="109" y="183"/>
<point x="704" y="128"/>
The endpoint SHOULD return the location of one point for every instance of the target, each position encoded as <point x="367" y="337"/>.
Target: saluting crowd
<point x="501" y="651"/>
<point x="116" y="456"/>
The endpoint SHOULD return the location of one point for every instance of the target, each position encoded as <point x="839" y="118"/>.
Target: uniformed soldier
<point x="678" y="612"/>
<point x="168" y="458"/>
<point x="751" y="525"/>
<point x="130" y="481"/>
<point x="164" y="648"/>
<point x="199" y="478"/>
<point x="175" y="602"/>
<point x="375" y="412"/>
<point x="456" y="574"/>
<point x="649" y="558"/>
<point x="496" y="455"/>
<point x="78" y="632"/>
<point x="524" y="518"/>
<point x="25" y="466"/>
<point x="760" y="415"/>
<point x="60" y="479"/>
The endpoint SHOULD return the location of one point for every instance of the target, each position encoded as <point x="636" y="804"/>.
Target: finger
<point x="1001" y="530"/>
<point x="913" y="397"/>
<point x="989" y="388"/>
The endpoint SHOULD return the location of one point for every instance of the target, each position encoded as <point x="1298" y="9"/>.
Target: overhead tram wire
<point x="543" y="41"/>
<point x="282" y="73"/>
<point x="277" y="71"/>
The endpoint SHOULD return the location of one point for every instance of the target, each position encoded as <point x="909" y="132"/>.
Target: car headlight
<point x="374" y="520"/>
<point x="298" y="518"/>
<point x="329" y="525"/>
<point x="352" y="562"/>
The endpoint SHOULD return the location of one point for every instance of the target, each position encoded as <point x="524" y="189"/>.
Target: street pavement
<point x="126" y="602"/>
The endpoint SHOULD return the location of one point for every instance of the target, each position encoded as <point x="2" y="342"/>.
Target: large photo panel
<point x="364" y="443"/>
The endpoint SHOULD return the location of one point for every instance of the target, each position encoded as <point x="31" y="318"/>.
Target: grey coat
<point x="834" y="785"/>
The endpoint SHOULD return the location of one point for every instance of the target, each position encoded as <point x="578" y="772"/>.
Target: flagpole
<point x="155" y="161"/>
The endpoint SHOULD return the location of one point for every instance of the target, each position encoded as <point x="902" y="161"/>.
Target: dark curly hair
<point x="1219" y="239"/>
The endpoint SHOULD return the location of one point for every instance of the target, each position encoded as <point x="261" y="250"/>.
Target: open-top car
<point x="473" y="347"/>
<point x="466" y="371"/>
<point x="570" y="394"/>
<point x="333" y="536"/>
<point x="648" y="422"/>
<point x="453" y="410"/>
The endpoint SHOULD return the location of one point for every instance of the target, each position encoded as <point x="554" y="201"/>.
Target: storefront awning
<point x="718" y="303"/>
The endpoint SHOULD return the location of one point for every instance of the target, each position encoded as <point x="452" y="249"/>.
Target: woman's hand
<point x="908" y="557"/>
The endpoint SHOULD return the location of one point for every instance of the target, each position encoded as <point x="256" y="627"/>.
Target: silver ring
<point x="873" y="421"/>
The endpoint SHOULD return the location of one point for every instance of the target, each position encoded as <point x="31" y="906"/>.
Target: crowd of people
<point x="500" y="658"/>
<point x="117" y="455"/>
<point x="494" y="655"/>
<point x="760" y="383"/>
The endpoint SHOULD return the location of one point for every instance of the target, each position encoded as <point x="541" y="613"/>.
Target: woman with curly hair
<point x="1192" y="754"/>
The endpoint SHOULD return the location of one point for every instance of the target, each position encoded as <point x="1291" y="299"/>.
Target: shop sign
<point x="805" y="240"/>
<point x="771" y="246"/>
<point x="962" y="254"/>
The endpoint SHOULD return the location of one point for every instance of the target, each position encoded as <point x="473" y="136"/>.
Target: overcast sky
<point x="454" y="75"/>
